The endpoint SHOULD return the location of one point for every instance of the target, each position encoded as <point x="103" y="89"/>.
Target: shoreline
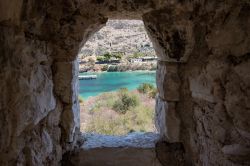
<point x="121" y="67"/>
<point x="118" y="71"/>
<point x="126" y="79"/>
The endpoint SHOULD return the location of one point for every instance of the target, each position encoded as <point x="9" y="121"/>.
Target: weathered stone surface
<point x="137" y="149"/>
<point x="64" y="74"/>
<point x="135" y="139"/>
<point x="236" y="149"/>
<point x="171" y="33"/>
<point x="201" y="88"/>
<point x="168" y="81"/>
<point x="10" y="11"/>
<point x="212" y="107"/>
<point x="66" y="81"/>
<point x="167" y="120"/>
<point x="27" y="98"/>
<point x="170" y="154"/>
<point x="229" y="37"/>
<point x="237" y="97"/>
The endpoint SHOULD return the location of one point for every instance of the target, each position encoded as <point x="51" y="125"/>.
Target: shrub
<point x="100" y="58"/>
<point x="107" y="56"/>
<point x="117" y="55"/>
<point x="148" y="89"/>
<point x="125" y="102"/>
<point x="81" y="101"/>
<point x="153" y="93"/>
<point x="145" y="88"/>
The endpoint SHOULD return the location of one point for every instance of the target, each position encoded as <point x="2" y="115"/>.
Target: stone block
<point x="167" y="121"/>
<point x="70" y="121"/>
<point x="168" y="81"/>
<point x="66" y="81"/>
<point x="170" y="154"/>
<point x="66" y="88"/>
<point x="11" y="10"/>
<point x="235" y="150"/>
<point x="173" y="40"/>
<point x="202" y="88"/>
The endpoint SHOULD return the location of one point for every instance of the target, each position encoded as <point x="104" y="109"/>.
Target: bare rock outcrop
<point x="119" y="36"/>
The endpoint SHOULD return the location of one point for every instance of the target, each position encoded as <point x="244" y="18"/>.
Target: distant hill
<point x="125" y="36"/>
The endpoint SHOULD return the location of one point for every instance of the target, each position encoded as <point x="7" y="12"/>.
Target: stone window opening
<point x="167" y="121"/>
<point x="130" y="144"/>
<point x="131" y="48"/>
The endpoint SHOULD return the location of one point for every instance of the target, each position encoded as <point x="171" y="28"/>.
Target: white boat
<point x="87" y="77"/>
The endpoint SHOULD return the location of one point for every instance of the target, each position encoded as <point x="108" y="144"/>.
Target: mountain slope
<point x="125" y="36"/>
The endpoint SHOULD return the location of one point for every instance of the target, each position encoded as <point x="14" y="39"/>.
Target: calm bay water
<point x="112" y="81"/>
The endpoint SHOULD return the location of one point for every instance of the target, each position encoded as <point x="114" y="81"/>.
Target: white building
<point x="135" y="60"/>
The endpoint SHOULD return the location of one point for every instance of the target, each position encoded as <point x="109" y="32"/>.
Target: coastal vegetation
<point x="137" y="55"/>
<point x="108" y="57"/>
<point x="118" y="61"/>
<point x="119" y="112"/>
<point x="148" y="89"/>
<point x="119" y="67"/>
<point x="81" y="100"/>
<point x="125" y="101"/>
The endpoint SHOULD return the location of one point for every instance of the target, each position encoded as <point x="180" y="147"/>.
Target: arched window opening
<point x="117" y="80"/>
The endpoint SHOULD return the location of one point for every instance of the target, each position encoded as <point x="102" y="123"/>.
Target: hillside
<point x="124" y="36"/>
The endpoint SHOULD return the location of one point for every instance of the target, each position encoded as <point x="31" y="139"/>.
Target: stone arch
<point x="155" y="22"/>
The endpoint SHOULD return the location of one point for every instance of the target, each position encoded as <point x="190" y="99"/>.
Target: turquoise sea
<point x="112" y="81"/>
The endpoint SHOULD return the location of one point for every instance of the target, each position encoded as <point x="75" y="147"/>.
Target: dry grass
<point x="98" y="115"/>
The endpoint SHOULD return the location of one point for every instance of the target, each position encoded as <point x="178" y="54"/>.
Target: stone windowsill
<point x="134" y="140"/>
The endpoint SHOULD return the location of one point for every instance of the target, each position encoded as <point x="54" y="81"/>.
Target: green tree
<point x="107" y="56"/>
<point x="117" y="55"/>
<point x="100" y="58"/>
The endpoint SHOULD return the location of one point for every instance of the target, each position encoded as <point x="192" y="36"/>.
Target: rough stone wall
<point x="202" y="77"/>
<point x="203" y="100"/>
<point x="27" y="102"/>
<point x="39" y="108"/>
<point x="215" y="90"/>
<point x="30" y="116"/>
